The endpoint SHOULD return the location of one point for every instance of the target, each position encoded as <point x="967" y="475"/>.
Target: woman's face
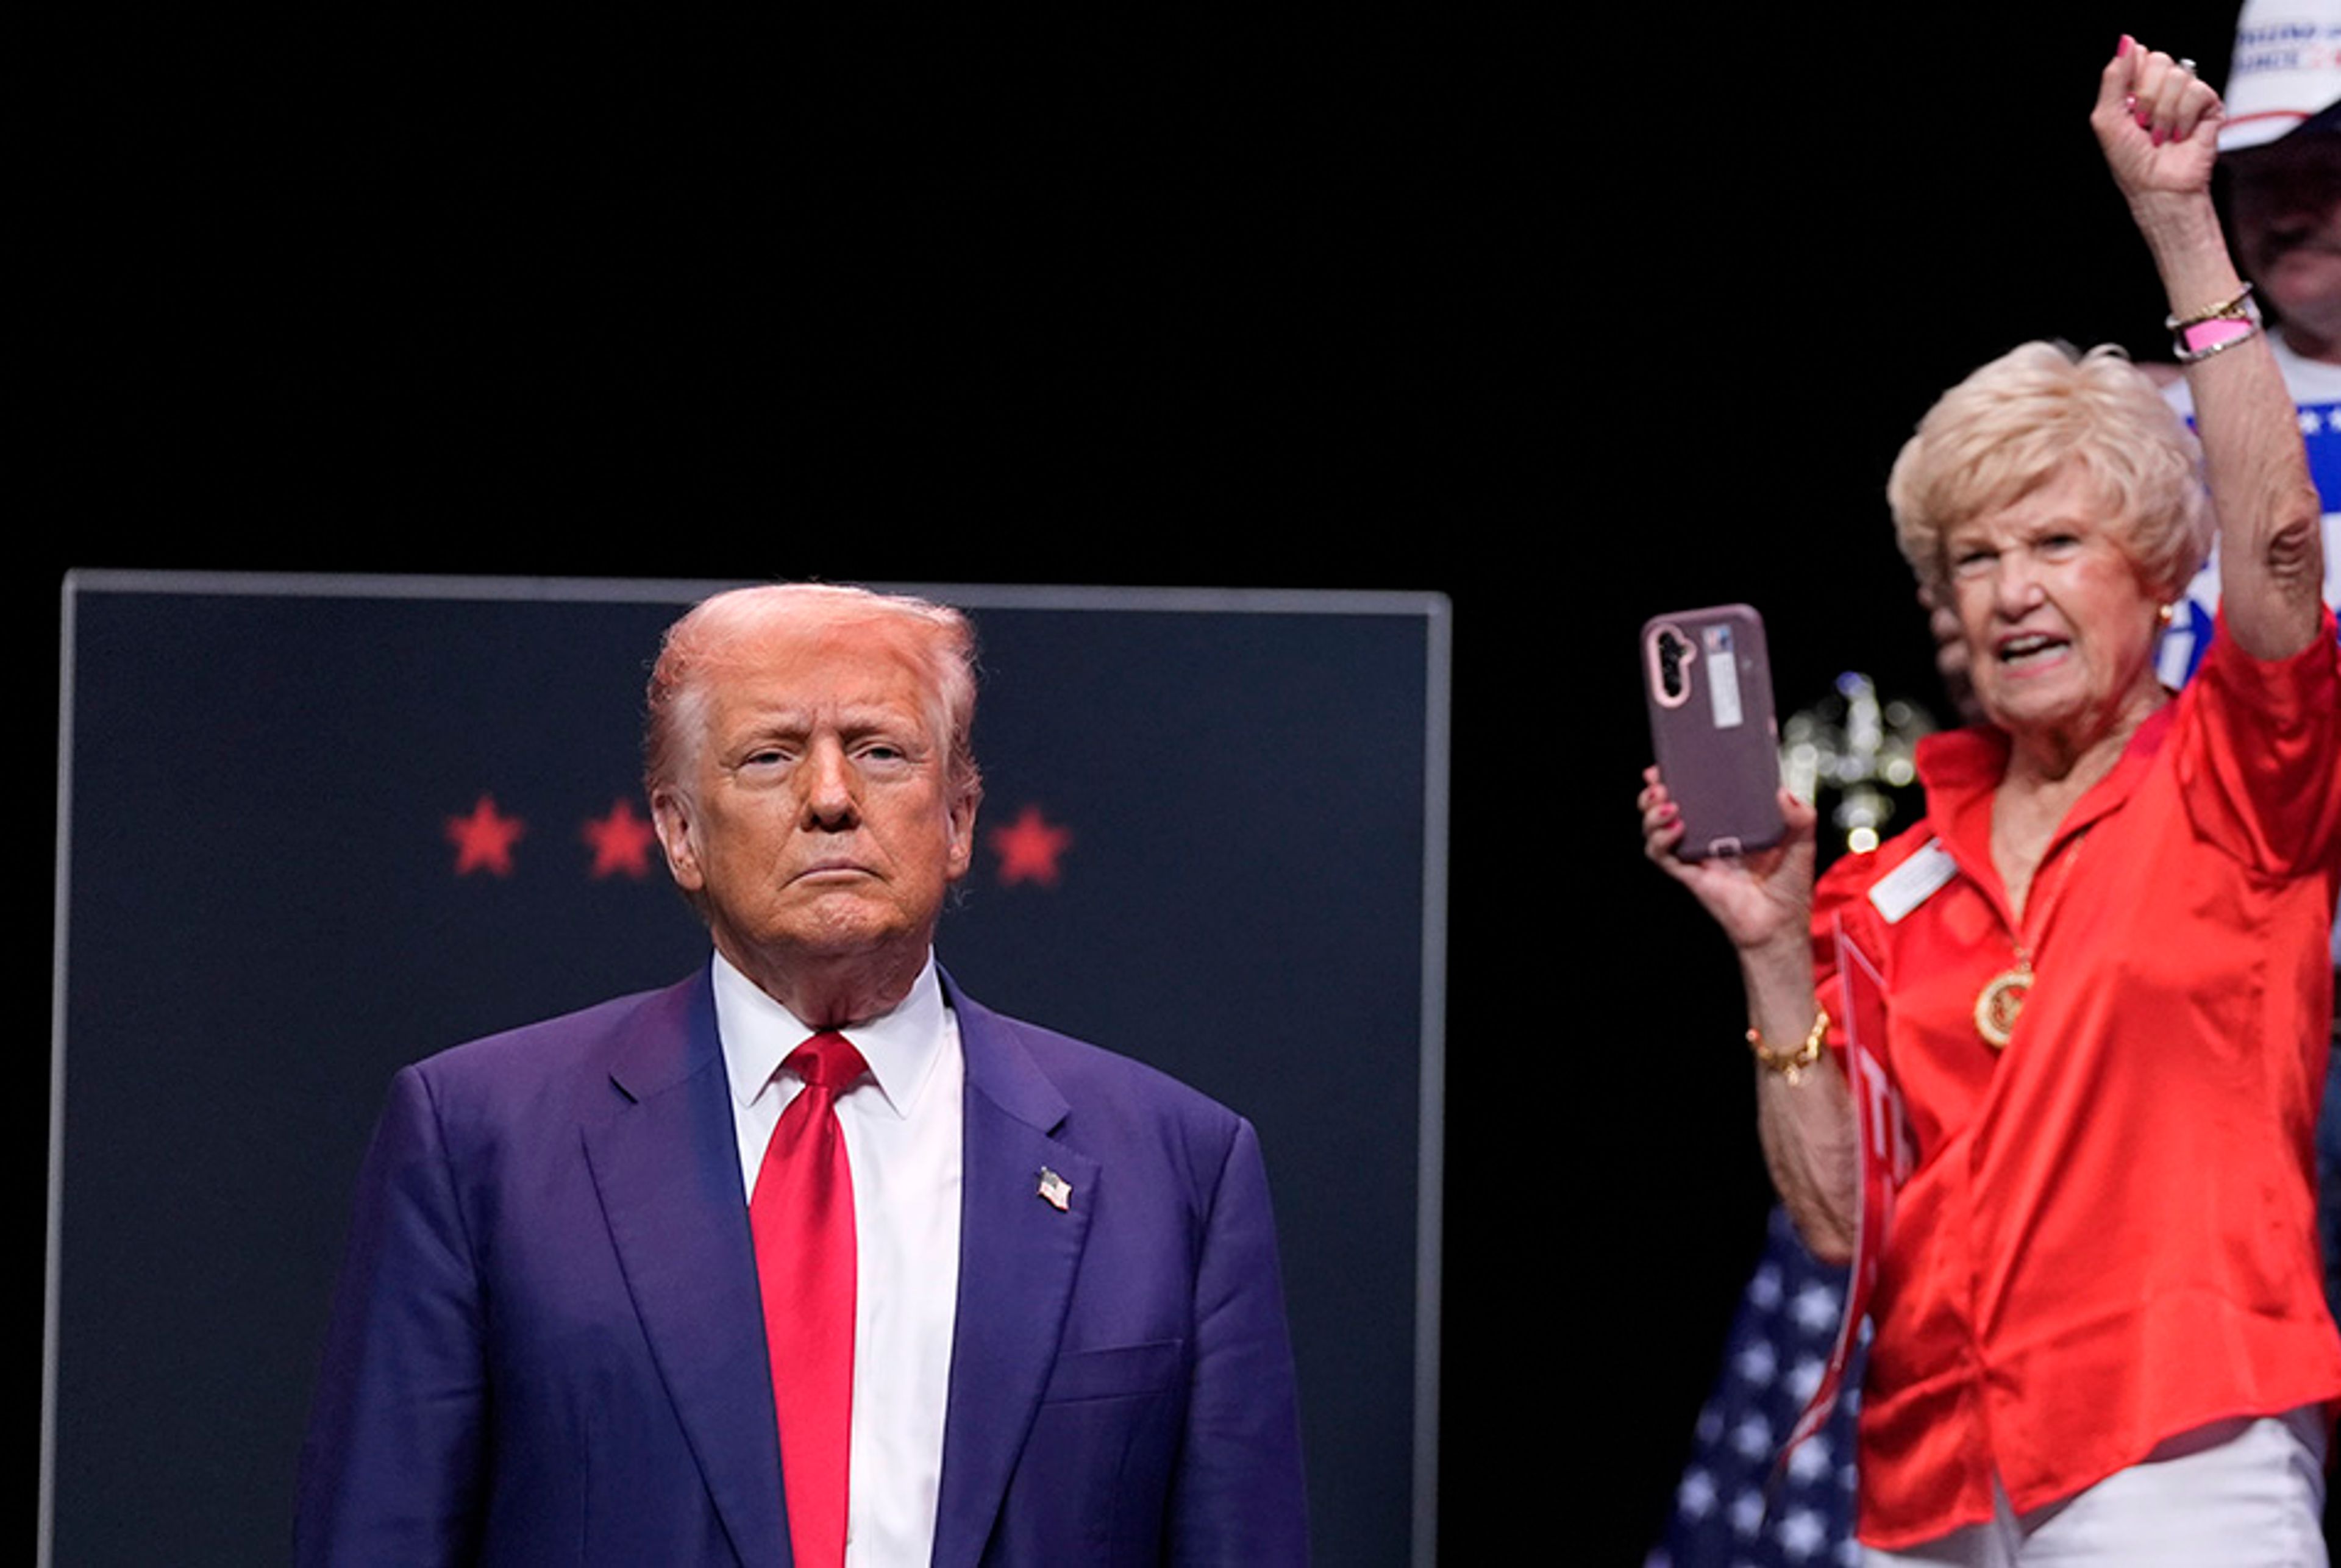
<point x="2059" y="630"/>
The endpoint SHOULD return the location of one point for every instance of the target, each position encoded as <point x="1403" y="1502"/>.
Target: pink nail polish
<point x="2122" y="48"/>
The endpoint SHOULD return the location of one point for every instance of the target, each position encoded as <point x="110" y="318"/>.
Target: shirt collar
<point x="1961" y="771"/>
<point x="757" y="1035"/>
<point x="1977" y="758"/>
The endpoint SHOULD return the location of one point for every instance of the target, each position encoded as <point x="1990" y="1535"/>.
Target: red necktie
<point x="802" y="1218"/>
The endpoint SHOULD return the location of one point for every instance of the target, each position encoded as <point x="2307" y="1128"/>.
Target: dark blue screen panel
<point x="319" y="828"/>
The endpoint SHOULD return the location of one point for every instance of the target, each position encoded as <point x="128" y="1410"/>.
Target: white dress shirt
<point x="902" y="1139"/>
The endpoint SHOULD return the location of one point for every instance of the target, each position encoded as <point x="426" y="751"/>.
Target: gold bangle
<point x="2240" y="308"/>
<point x="2215" y="330"/>
<point x="1790" y="1063"/>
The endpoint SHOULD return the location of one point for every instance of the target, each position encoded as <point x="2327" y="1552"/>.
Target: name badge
<point x="1912" y="883"/>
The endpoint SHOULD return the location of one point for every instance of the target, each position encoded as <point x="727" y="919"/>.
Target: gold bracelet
<point x="2234" y="309"/>
<point x="2215" y="330"/>
<point x="1790" y="1063"/>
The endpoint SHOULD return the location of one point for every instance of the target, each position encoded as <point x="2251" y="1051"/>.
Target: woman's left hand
<point x="2158" y="124"/>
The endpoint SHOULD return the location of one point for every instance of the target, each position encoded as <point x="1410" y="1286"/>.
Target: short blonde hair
<point x="705" y="638"/>
<point x="2016" y="423"/>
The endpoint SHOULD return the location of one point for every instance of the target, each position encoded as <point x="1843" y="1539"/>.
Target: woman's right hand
<point x="1764" y="902"/>
<point x="1761" y="900"/>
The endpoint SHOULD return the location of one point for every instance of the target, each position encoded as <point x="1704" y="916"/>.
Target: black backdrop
<point x="1575" y="323"/>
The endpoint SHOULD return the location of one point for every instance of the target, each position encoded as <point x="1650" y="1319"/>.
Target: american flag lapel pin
<point x="1055" y="1190"/>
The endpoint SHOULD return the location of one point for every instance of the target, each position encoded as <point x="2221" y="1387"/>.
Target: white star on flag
<point x="1818" y="1308"/>
<point x="1802" y="1534"/>
<point x="1810" y="1459"/>
<point x="1757" y="1364"/>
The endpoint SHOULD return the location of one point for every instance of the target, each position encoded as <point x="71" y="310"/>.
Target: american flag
<point x="1737" y="1506"/>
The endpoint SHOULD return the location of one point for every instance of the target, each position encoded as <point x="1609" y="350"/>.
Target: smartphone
<point x="1708" y="684"/>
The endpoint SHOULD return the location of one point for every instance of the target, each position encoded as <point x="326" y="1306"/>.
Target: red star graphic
<point x="483" y="839"/>
<point x="622" y="843"/>
<point x="1027" y="848"/>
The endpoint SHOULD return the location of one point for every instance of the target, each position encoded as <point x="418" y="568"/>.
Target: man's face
<point x="814" y="822"/>
<point x="2287" y="210"/>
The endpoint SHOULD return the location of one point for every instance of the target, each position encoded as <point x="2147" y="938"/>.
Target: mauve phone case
<point x="1708" y="684"/>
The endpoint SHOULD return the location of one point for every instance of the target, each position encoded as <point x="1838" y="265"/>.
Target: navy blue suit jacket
<point x="548" y="1347"/>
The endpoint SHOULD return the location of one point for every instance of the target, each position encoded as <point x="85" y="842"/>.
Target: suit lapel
<point x="1018" y="1258"/>
<point x="667" y="1168"/>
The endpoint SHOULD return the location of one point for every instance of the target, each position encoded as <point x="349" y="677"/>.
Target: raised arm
<point x="2158" y="126"/>
<point x="1764" y="902"/>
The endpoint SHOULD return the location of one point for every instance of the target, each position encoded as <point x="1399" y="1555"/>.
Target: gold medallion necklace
<point x="2001" y="1002"/>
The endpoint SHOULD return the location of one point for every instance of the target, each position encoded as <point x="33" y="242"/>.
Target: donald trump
<point x="810" y="1258"/>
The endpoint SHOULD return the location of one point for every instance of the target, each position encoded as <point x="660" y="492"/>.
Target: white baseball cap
<point x="2287" y="70"/>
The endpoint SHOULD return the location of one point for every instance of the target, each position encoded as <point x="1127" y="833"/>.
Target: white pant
<point x="2242" y="1494"/>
